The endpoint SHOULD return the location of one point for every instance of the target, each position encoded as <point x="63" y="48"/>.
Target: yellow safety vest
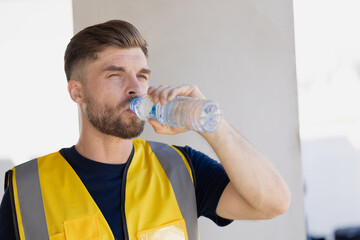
<point x="158" y="198"/>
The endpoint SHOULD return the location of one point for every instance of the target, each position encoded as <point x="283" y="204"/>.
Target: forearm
<point x="252" y="175"/>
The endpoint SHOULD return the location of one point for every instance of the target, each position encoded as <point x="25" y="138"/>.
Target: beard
<point x="108" y="120"/>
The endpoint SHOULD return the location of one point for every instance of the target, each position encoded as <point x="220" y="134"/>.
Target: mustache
<point x="126" y="103"/>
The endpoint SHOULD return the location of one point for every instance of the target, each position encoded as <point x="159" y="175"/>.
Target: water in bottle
<point x="181" y="112"/>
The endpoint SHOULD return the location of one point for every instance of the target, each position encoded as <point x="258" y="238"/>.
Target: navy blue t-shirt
<point x="103" y="181"/>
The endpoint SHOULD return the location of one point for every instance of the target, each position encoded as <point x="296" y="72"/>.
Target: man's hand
<point x="163" y="94"/>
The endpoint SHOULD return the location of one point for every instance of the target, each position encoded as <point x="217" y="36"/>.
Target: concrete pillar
<point x="240" y="53"/>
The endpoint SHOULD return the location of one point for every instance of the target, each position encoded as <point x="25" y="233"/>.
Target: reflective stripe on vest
<point x="30" y="201"/>
<point x="169" y="160"/>
<point x="32" y="219"/>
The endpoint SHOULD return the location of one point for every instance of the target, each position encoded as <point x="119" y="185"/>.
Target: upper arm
<point x="211" y="180"/>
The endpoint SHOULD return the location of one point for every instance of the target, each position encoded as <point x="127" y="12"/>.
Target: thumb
<point x="158" y="127"/>
<point x="163" y="129"/>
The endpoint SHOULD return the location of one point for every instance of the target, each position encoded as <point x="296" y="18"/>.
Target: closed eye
<point x="143" y="77"/>
<point x="116" y="75"/>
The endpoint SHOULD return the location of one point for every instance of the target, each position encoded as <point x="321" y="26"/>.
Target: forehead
<point x="131" y="57"/>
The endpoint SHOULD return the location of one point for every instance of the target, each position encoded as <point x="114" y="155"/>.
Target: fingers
<point x="164" y="94"/>
<point x="160" y="94"/>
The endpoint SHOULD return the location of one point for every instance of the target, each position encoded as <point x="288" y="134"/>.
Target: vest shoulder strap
<point x="30" y="210"/>
<point x="181" y="182"/>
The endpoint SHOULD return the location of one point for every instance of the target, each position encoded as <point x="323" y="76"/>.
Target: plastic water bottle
<point x="181" y="112"/>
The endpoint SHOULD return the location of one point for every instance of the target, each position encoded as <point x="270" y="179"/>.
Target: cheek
<point x="94" y="87"/>
<point x="115" y="87"/>
<point x="102" y="94"/>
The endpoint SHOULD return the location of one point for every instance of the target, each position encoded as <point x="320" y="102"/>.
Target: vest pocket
<point x="85" y="228"/>
<point x="58" y="236"/>
<point x="174" y="230"/>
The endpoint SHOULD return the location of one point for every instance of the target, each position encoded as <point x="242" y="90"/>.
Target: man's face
<point x="115" y="78"/>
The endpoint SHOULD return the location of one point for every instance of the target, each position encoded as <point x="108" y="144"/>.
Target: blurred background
<point x="38" y="117"/>
<point x="327" y="40"/>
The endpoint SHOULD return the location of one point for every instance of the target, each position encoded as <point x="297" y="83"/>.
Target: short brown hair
<point x="88" y="42"/>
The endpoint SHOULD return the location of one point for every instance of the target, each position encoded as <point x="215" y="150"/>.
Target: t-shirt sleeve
<point x="211" y="180"/>
<point x="7" y="230"/>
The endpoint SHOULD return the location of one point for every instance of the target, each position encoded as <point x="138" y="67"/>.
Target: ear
<point x="75" y="89"/>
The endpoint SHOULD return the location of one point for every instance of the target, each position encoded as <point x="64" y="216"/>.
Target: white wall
<point x="37" y="116"/>
<point x="240" y="53"/>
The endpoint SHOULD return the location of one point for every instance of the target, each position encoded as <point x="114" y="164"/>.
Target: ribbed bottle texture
<point x="181" y="112"/>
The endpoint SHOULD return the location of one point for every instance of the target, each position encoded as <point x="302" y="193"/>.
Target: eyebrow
<point x="114" y="68"/>
<point x="145" y="70"/>
<point x="122" y="69"/>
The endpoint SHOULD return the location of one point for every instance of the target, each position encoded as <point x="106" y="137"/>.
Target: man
<point x="112" y="186"/>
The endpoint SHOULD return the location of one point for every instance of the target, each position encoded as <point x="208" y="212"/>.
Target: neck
<point x="103" y="148"/>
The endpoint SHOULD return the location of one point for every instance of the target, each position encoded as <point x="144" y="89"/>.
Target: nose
<point x="135" y="87"/>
